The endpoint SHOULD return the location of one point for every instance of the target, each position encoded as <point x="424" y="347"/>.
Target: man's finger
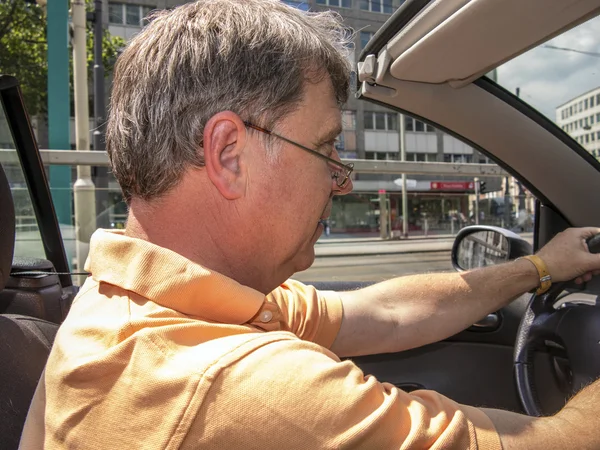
<point x="588" y="232"/>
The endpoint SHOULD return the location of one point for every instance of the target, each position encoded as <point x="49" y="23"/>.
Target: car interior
<point x="429" y="61"/>
<point x="34" y="298"/>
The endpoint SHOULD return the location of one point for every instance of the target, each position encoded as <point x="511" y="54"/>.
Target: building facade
<point x="580" y="118"/>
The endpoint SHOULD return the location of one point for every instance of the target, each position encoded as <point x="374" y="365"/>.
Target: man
<point x="187" y="334"/>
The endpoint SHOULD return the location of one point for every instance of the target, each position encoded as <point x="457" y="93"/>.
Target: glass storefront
<point x="428" y="213"/>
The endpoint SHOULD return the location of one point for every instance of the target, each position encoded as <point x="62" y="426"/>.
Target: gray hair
<point x="252" y="57"/>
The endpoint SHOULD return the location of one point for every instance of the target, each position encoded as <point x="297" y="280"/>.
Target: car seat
<point x="25" y="341"/>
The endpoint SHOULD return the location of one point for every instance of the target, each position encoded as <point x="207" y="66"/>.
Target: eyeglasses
<point x="339" y="171"/>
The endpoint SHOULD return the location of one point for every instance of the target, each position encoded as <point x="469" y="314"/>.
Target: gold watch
<point x="545" y="277"/>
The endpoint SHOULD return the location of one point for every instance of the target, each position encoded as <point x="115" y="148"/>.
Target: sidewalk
<point x="362" y="247"/>
<point x="352" y="246"/>
<point x="335" y="239"/>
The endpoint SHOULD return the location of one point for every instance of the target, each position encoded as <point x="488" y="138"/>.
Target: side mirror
<point x="480" y="246"/>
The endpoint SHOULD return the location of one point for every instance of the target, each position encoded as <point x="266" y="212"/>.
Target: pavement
<point x="377" y="246"/>
<point x="356" y="246"/>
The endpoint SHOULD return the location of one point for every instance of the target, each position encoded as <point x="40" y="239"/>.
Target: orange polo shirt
<point x="160" y="353"/>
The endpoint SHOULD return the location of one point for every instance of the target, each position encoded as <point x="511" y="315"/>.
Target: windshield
<point x="561" y="79"/>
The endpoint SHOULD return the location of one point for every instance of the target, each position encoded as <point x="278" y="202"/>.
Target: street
<point x="372" y="259"/>
<point x="374" y="267"/>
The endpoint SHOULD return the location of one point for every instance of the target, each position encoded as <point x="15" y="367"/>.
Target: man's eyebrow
<point x="331" y="135"/>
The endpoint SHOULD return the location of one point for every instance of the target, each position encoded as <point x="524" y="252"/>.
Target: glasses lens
<point x="339" y="174"/>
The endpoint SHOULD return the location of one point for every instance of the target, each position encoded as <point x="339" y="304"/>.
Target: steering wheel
<point x="576" y="327"/>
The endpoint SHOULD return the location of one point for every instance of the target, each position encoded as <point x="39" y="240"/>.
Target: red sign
<point x="452" y="185"/>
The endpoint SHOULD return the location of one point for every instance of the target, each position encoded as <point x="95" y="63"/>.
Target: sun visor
<point x="458" y="41"/>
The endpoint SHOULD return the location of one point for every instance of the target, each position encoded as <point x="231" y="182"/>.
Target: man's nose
<point x="343" y="190"/>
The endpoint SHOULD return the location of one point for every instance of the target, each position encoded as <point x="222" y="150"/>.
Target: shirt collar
<point x="169" y="279"/>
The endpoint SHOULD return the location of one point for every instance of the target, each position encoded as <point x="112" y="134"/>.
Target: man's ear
<point x="224" y="142"/>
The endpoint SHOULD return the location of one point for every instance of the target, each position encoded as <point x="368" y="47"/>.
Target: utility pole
<point x="507" y="208"/>
<point x="476" y="186"/>
<point x="383" y="215"/>
<point x="101" y="173"/>
<point x="404" y="191"/>
<point x="59" y="105"/>
<point x="83" y="189"/>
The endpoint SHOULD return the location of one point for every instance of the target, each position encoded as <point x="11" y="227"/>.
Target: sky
<point x="548" y="78"/>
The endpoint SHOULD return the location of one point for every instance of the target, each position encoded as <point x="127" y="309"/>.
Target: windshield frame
<point x="35" y="176"/>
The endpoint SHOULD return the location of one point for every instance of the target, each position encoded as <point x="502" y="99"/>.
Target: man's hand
<point x="567" y="256"/>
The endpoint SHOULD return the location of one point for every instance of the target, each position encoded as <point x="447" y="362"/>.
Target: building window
<point x="592" y="101"/>
<point x="449" y="158"/>
<point x="133" y="15"/>
<point x="392" y="122"/>
<point x="421" y="157"/>
<point x="128" y="14"/>
<point x="598" y="99"/>
<point x="570" y="110"/>
<point x="598" y="118"/>
<point x="585" y="104"/>
<point x="365" y="37"/>
<point x="348" y="120"/>
<point x="381" y="121"/>
<point x="411" y="124"/>
<point x="115" y="13"/>
<point x="368" y="121"/>
<point x="587" y="138"/>
<point x="379" y="6"/>
<point x="337" y="3"/>
<point x="380" y="156"/>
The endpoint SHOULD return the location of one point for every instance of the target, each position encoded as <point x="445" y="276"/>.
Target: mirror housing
<point x="479" y="246"/>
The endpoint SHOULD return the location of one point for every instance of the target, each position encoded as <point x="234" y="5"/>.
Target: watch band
<point x="545" y="278"/>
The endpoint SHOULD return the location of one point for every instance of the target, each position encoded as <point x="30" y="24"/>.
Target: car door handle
<point x="491" y="322"/>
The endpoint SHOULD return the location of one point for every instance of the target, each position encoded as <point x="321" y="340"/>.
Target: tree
<point x="24" y="50"/>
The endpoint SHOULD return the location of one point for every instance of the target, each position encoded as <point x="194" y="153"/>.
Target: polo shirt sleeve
<point x="310" y="314"/>
<point x="292" y="394"/>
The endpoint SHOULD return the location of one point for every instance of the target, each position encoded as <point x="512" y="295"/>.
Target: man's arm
<point x="412" y="311"/>
<point x="574" y="427"/>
